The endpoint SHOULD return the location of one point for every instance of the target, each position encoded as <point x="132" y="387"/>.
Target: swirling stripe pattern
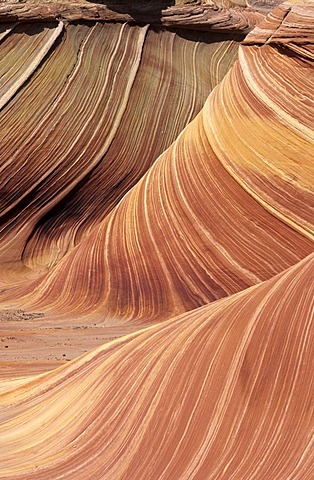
<point x="225" y="391"/>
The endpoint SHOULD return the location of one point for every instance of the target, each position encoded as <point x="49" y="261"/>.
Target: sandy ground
<point x="30" y="344"/>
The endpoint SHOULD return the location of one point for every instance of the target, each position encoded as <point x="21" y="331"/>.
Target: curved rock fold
<point x="156" y="228"/>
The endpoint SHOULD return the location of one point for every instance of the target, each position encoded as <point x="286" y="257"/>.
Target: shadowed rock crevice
<point x="209" y="18"/>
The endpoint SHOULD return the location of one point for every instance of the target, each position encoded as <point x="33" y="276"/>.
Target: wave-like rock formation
<point x="225" y="391"/>
<point x="227" y="206"/>
<point x="127" y="210"/>
<point x="90" y="127"/>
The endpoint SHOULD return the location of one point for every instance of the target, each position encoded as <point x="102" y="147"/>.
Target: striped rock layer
<point x="227" y="206"/>
<point x="225" y="391"/>
<point x="86" y="120"/>
<point x="123" y="201"/>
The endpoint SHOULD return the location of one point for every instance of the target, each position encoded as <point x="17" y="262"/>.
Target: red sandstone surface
<point x="156" y="241"/>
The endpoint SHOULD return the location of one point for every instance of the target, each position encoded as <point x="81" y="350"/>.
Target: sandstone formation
<point x="93" y="133"/>
<point x="156" y="216"/>
<point x="219" y="16"/>
<point x="222" y="392"/>
<point x="232" y="208"/>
